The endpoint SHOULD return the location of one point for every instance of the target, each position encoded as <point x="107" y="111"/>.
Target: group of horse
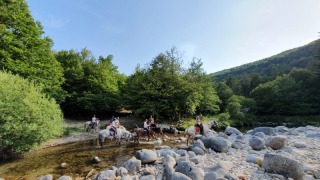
<point x="138" y="133"/>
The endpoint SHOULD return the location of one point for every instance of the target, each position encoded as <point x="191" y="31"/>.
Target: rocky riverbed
<point x="264" y="153"/>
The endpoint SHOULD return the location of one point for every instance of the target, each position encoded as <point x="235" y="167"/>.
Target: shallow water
<point x="78" y="156"/>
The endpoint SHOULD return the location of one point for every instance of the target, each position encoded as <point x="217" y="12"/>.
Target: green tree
<point x="92" y="85"/>
<point x="24" y="51"/>
<point x="224" y="93"/>
<point x="166" y="90"/>
<point x="27" y="116"/>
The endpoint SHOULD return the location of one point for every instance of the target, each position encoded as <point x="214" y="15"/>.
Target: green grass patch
<point x="68" y="130"/>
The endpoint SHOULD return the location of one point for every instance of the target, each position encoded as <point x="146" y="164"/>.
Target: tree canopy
<point x="24" y="50"/>
<point x="167" y="90"/>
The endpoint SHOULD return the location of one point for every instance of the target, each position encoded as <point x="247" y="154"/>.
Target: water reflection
<point x="78" y="157"/>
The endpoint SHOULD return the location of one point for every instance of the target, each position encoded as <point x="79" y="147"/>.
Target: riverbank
<point x="263" y="153"/>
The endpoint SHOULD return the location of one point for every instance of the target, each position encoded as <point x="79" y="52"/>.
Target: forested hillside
<point x="283" y="63"/>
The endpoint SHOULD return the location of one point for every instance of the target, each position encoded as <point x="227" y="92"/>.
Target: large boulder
<point x="132" y="165"/>
<point x="218" y="144"/>
<point x="198" y="150"/>
<point x="257" y="143"/>
<point x="170" y="161"/>
<point x="165" y="152"/>
<point x="290" y="168"/>
<point x="238" y="144"/>
<point x="277" y="142"/>
<point x="199" y="143"/>
<point x="269" y="131"/>
<point x="146" y="155"/>
<point x="231" y="130"/>
<point x="185" y="167"/>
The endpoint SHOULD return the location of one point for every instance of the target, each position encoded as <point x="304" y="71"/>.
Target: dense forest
<point x="39" y="82"/>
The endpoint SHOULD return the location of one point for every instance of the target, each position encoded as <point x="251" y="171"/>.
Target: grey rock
<point x="260" y="134"/>
<point x="282" y="129"/>
<point x="191" y="154"/>
<point x="274" y="163"/>
<point x="198" y="151"/>
<point x="199" y="143"/>
<point x="196" y="174"/>
<point x="168" y="171"/>
<point x="127" y="177"/>
<point x="238" y="145"/>
<point x="169" y="161"/>
<point x="185" y="167"/>
<point x="223" y="135"/>
<point x="277" y="142"/>
<point x="240" y="137"/>
<point x="315" y="135"/>
<point x="149" y="171"/>
<point x="266" y="130"/>
<point x="146" y="155"/>
<point x="211" y="176"/>
<point x="225" y="165"/>
<point x="231" y="130"/>
<point x="132" y="165"/>
<point x="64" y="178"/>
<point x="106" y="175"/>
<point x="197" y="160"/>
<point x="121" y="171"/>
<point x="164" y="152"/>
<point x="179" y="176"/>
<point x="46" y="177"/>
<point x="317" y="174"/>
<point x="300" y="145"/>
<point x="257" y="143"/>
<point x="218" y="144"/>
<point x="148" y="177"/>
<point x="230" y="177"/>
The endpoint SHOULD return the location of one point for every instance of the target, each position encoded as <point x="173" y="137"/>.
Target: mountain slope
<point x="301" y="57"/>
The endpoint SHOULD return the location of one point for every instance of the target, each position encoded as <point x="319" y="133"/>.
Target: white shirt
<point x="94" y="119"/>
<point x="145" y="125"/>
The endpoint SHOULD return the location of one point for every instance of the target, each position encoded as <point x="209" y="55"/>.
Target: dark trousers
<point x="147" y="130"/>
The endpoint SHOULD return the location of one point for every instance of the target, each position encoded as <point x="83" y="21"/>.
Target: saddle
<point x="197" y="129"/>
<point x="112" y="132"/>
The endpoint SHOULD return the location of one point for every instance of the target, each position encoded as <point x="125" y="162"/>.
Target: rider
<point x="146" y="126"/>
<point x="114" y="125"/>
<point x="199" y="124"/>
<point x="93" y="121"/>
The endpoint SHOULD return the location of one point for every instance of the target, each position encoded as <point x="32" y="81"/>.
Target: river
<point x="78" y="156"/>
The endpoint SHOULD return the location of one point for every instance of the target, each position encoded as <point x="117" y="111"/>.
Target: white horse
<point x="192" y="131"/>
<point x="88" y="126"/>
<point x="121" y="133"/>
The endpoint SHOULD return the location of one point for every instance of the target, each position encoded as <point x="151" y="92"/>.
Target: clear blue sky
<point x="223" y="33"/>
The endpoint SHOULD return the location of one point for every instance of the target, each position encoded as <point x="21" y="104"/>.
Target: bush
<point x="27" y="117"/>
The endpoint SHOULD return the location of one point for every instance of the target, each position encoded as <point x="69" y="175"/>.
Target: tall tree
<point x="166" y="90"/>
<point x="92" y="85"/>
<point x="24" y="50"/>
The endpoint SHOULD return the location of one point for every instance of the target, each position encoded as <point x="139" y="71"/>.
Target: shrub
<point x="27" y="117"/>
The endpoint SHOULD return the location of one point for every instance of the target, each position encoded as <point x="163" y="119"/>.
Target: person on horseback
<point x="199" y="124"/>
<point x="114" y="125"/>
<point x="146" y="126"/>
<point x="93" y="121"/>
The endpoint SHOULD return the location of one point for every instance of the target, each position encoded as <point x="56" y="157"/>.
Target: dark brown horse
<point x="141" y="132"/>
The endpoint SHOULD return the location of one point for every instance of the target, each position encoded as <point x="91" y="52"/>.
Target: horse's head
<point x="213" y="124"/>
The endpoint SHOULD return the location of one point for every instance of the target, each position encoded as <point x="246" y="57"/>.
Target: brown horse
<point x="140" y="132"/>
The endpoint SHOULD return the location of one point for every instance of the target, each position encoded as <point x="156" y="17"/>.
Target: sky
<point x="222" y="33"/>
